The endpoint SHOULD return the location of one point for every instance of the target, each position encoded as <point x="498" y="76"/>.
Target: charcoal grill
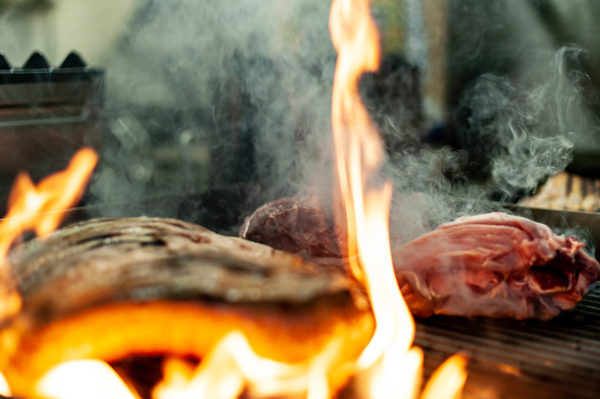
<point x="46" y="114"/>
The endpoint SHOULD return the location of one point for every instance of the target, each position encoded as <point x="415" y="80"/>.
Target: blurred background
<point x="205" y="110"/>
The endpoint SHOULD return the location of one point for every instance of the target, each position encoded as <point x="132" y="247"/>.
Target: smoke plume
<point x="230" y="100"/>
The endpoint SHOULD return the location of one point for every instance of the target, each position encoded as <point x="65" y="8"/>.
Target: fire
<point x="83" y="379"/>
<point x="41" y="208"/>
<point x="4" y="388"/>
<point x="390" y="368"/>
<point x="448" y="379"/>
<point x="233" y="366"/>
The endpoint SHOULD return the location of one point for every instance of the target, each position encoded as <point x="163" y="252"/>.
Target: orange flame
<point x="233" y="366"/>
<point x="389" y="367"/>
<point x="356" y="140"/>
<point x="41" y="208"/>
<point x="359" y="154"/>
<point x="447" y="381"/>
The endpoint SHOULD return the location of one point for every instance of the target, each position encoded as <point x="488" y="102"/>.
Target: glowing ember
<point x="83" y="379"/>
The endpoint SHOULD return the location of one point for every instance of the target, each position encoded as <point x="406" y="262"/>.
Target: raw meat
<point x="494" y="264"/>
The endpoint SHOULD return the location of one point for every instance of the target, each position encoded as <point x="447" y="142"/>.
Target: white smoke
<point x="249" y="85"/>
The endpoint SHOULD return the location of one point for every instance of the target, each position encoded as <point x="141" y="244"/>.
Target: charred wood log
<point x="113" y="288"/>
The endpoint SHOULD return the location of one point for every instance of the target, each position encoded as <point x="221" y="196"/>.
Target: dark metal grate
<point x="559" y="358"/>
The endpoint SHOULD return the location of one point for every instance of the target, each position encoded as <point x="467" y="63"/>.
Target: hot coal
<point x="494" y="264"/>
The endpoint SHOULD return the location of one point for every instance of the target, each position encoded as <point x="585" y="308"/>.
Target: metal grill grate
<point x="559" y="358"/>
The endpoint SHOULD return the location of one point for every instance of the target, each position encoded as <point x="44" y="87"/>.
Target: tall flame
<point x="390" y="367"/>
<point x="40" y="208"/>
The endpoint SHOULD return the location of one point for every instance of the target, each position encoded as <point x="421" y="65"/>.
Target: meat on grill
<point x="494" y="264"/>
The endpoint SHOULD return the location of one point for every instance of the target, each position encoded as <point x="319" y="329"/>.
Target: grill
<point x="521" y="359"/>
<point x="46" y="114"/>
<point x="508" y="358"/>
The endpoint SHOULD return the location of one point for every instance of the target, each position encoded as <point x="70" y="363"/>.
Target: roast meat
<point x="493" y="264"/>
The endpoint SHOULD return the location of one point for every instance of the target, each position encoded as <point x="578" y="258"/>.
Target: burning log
<point x="110" y="289"/>
<point x="494" y="265"/>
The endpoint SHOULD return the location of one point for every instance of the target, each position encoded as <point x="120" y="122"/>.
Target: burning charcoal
<point x="494" y="264"/>
<point x="113" y="289"/>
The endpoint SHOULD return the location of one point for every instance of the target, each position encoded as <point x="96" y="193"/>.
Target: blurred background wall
<point x="55" y="27"/>
<point x="230" y="98"/>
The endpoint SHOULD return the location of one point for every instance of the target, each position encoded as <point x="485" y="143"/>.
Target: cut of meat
<point x="493" y="264"/>
<point x="299" y="226"/>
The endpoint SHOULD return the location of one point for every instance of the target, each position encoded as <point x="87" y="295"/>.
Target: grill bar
<point x="521" y="359"/>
